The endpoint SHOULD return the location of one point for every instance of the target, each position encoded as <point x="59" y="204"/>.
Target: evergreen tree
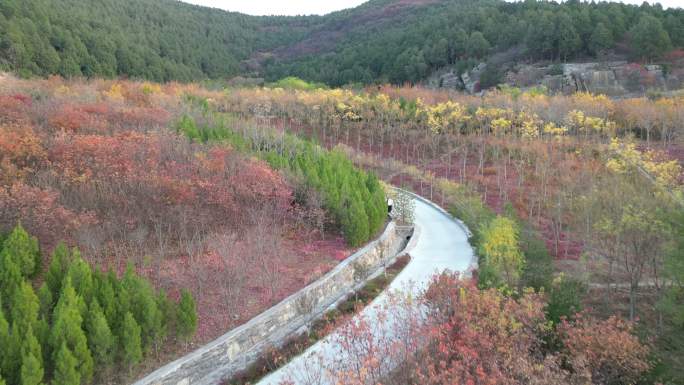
<point x="458" y="44"/>
<point x="186" y="316"/>
<point x="601" y="39"/>
<point x="166" y="309"/>
<point x="45" y="300"/>
<point x="567" y="38"/>
<point x="540" y="37"/>
<point x="31" y="360"/>
<point x="11" y="364"/>
<point x="31" y="370"/>
<point x="356" y="224"/>
<point x="66" y="367"/>
<point x="24" y="250"/>
<point x="106" y="296"/>
<point x="25" y="307"/>
<point x="67" y="329"/>
<point x="100" y="338"/>
<point x="131" y="343"/>
<point x="61" y="258"/>
<point x="478" y="46"/>
<point x="10" y="276"/>
<point x="42" y="333"/>
<point x="649" y="38"/>
<point x="81" y="276"/>
<point x="4" y="339"/>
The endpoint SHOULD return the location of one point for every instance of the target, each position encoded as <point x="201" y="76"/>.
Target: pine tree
<point x="81" y="276"/>
<point x="186" y="318"/>
<point x="31" y="370"/>
<point x="24" y="250"/>
<point x="25" y="307"/>
<point x="66" y="368"/>
<point x="166" y="310"/>
<point x="601" y="39"/>
<point x="143" y="306"/>
<point x="355" y="225"/>
<point x="130" y="341"/>
<point x="42" y="333"/>
<point x="105" y="293"/>
<point x="649" y="38"/>
<point x="567" y="39"/>
<point x="46" y="301"/>
<point x="61" y="257"/>
<point x="478" y="46"/>
<point x="67" y="329"/>
<point x="31" y="360"/>
<point x="100" y="338"/>
<point x="10" y="276"/>
<point x="11" y="364"/>
<point x="4" y="338"/>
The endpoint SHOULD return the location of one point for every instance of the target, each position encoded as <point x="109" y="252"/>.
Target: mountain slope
<point x="381" y="40"/>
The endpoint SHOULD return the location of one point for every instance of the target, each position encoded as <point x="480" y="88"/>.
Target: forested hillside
<point x="379" y="41"/>
<point x="153" y="39"/>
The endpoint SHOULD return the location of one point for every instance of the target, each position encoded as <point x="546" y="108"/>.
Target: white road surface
<point x="441" y="244"/>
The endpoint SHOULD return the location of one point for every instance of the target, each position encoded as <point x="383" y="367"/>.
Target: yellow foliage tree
<point x="502" y="258"/>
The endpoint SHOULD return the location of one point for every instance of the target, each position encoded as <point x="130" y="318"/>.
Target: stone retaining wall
<point x="241" y="346"/>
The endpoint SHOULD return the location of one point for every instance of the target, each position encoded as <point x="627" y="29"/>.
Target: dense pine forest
<point x="379" y="41"/>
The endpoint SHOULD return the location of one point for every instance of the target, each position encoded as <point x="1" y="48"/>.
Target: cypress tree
<point x="67" y="329"/>
<point x="25" y="307"/>
<point x="66" y="367"/>
<point x="46" y="300"/>
<point x="4" y="339"/>
<point x="143" y="307"/>
<point x="81" y="276"/>
<point x="166" y="311"/>
<point x="601" y="39"/>
<point x="105" y="293"/>
<point x="31" y="370"/>
<point x="31" y="360"/>
<point x="130" y="341"/>
<point x="24" y="249"/>
<point x="649" y="39"/>
<point x="11" y="364"/>
<point x="186" y="316"/>
<point x="356" y="224"/>
<point x="42" y="333"/>
<point x="148" y="315"/>
<point x="10" y="276"/>
<point x="100" y="337"/>
<point x="57" y="269"/>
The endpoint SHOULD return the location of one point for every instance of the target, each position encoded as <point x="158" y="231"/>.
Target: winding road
<point x="440" y="243"/>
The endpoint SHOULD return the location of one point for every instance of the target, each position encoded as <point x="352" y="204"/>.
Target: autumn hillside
<point x="110" y="168"/>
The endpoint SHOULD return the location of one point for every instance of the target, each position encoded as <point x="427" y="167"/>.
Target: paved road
<point x="441" y="244"/>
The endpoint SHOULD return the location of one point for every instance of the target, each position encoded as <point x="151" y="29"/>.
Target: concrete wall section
<point x="241" y="346"/>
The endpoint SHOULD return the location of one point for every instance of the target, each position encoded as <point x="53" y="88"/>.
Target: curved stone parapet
<point x="240" y="347"/>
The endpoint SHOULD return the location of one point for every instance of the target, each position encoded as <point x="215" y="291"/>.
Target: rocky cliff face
<point x="616" y="79"/>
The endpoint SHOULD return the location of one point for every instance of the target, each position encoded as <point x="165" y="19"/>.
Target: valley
<point x="403" y="192"/>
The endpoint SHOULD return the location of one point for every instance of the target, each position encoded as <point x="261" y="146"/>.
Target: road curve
<point x="440" y="243"/>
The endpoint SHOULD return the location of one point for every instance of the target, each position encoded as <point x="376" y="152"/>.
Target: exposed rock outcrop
<point x="449" y="78"/>
<point x="615" y="78"/>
